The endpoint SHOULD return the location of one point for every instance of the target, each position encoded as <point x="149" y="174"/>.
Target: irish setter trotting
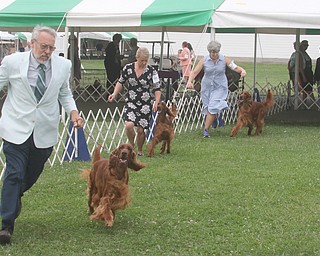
<point x="164" y="130"/>
<point x="252" y="113"/>
<point x="108" y="182"/>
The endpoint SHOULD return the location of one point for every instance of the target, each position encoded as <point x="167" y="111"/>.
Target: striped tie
<point x="41" y="82"/>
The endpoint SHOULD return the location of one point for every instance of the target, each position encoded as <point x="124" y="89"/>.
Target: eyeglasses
<point x="45" y="47"/>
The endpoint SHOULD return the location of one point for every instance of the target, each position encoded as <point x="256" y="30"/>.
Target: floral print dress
<point x="138" y="108"/>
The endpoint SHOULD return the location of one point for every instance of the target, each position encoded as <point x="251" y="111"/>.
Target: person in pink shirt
<point x="185" y="61"/>
<point x="192" y="54"/>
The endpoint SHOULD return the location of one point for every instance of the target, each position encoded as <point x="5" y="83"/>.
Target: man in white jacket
<point x="29" y="123"/>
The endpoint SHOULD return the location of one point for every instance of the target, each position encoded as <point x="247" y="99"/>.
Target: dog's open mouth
<point x="123" y="159"/>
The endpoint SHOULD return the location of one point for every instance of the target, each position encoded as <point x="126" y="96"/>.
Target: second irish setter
<point x="164" y="130"/>
<point x="252" y="113"/>
<point x="108" y="182"/>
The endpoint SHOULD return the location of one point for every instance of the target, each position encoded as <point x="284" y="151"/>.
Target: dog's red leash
<point x="91" y="137"/>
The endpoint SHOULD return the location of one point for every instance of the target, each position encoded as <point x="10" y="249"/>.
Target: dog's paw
<point x="109" y="221"/>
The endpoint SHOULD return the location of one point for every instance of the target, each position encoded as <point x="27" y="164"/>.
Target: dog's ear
<point x="115" y="152"/>
<point x="134" y="164"/>
<point x="113" y="158"/>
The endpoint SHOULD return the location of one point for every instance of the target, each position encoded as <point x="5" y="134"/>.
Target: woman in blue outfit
<point x="214" y="84"/>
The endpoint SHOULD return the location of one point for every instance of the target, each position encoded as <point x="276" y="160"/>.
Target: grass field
<point x="266" y="73"/>
<point x="216" y="196"/>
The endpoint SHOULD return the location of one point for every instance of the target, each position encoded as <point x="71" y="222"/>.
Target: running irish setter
<point x="108" y="179"/>
<point x="252" y="113"/>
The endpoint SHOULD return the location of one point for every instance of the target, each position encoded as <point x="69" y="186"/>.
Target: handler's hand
<point x="190" y="85"/>
<point x="78" y="123"/>
<point x="155" y="106"/>
<point x="243" y="73"/>
<point x="111" y="97"/>
<point x="77" y="120"/>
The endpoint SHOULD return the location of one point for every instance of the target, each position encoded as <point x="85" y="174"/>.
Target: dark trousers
<point x="113" y="73"/>
<point x="24" y="164"/>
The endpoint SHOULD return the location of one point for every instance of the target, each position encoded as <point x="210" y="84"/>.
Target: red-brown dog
<point x="164" y="130"/>
<point x="108" y="182"/>
<point x="252" y="113"/>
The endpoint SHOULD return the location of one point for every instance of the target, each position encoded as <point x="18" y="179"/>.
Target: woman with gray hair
<point x="214" y="84"/>
<point x="142" y="80"/>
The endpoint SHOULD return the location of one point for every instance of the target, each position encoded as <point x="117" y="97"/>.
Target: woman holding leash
<point x="214" y="84"/>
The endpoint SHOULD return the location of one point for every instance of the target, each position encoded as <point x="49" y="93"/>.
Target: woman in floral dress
<point x="142" y="80"/>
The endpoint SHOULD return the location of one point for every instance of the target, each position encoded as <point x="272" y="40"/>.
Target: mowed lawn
<point x="216" y="196"/>
<point x="266" y="73"/>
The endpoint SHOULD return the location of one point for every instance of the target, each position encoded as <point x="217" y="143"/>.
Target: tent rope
<point x="60" y="24"/>
<point x="180" y="84"/>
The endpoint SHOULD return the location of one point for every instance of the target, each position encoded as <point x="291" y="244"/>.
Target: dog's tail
<point x="174" y="107"/>
<point x="268" y="103"/>
<point x="85" y="174"/>
<point x="172" y="111"/>
<point x="96" y="155"/>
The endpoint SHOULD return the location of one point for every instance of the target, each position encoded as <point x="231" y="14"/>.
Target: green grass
<point x="216" y="196"/>
<point x="93" y="64"/>
<point x="266" y="73"/>
<point x="273" y="74"/>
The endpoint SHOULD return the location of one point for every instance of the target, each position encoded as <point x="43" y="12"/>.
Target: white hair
<point x="214" y="46"/>
<point x="143" y="52"/>
<point x="38" y="29"/>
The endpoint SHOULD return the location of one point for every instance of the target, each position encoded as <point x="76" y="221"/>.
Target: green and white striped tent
<point x="147" y="15"/>
<point x="98" y="15"/>
<point x="162" y="15"/>
<point x="23" y="15"/>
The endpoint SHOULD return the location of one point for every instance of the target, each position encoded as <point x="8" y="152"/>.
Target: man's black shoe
<point x="5" y="237"/>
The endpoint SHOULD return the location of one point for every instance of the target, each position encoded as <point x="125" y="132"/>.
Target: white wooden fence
<point x="107" y="128"/>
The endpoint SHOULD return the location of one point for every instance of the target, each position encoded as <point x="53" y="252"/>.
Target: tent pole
<point x="65" y="51"/>
<point x="255" y="59"/>
<point x="212" y="34"/>
<point x="162" y="45"/>
<point x="71" y="55"/>
<point x="65" y="41"/>
<point x="296" y="71"/>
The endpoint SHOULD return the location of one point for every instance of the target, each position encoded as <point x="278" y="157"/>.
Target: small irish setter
<point x="164" y="130"/>
<point x="252" y="113"/>
<point x="108" y="182"/>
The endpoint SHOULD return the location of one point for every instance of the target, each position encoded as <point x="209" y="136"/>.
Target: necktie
<point x="41" y="82"/>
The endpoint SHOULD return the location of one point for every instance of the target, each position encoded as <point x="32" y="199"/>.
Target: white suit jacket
<point x="21" y="114"/>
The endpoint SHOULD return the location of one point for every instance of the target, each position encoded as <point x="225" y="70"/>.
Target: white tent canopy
<point x="272" y="16"/>
<point x="7" y="36"/>
<point x="106" y="35"/>
<point x="95" y="35"/>
<point x="160" y="15"/>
